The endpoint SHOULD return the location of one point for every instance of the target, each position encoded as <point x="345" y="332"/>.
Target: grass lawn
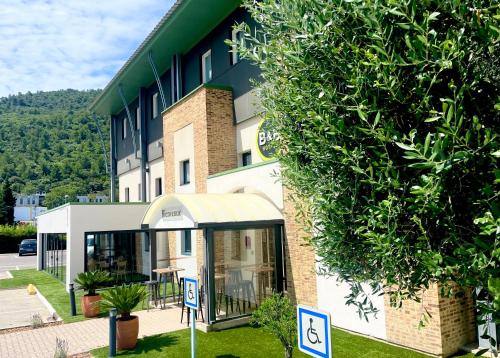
<point x="53" y="290"/>
<point x="254" y="342"/>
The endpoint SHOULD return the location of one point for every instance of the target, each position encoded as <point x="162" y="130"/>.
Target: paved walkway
<point x="83" y="336"/>
<point x="17" y="307"/>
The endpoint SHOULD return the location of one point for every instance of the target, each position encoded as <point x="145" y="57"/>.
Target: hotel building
<point x="193" y="185"/>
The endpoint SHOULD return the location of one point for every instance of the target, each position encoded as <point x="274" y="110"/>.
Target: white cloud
<point x="81" y="44"/>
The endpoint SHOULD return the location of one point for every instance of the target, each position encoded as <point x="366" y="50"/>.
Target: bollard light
<point x="72" y="299"/>
<point x="112" y="332"/>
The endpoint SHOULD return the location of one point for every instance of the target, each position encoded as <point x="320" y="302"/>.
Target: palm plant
<point x="124" y="298"/>
<point x="92" y="280"/>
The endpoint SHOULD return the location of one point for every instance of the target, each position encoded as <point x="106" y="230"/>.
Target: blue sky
<point x="58" y="44"/>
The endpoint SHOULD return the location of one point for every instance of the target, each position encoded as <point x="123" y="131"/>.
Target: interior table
<point x="173" y="273"/>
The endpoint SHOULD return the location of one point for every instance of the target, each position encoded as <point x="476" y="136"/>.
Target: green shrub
<point x="124" y="298"/>
<point x="278" y="316"/>
<point x="12" y="235"/>
<point x="90" y="281"/>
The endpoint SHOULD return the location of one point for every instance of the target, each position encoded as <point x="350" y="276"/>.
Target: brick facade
<point x="451" y="323"/>
<point x="210" y="111"/>
<point x="299" y="256"/>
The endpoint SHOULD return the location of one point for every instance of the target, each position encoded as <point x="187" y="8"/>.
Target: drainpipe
<point x="143" y="143"/>
<point x="112" y="148"/>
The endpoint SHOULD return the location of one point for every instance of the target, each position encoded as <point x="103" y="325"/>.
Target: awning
<point x="184" y="211"/>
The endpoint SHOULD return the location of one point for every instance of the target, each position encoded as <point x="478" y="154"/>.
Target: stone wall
<point x="299" y="256"/>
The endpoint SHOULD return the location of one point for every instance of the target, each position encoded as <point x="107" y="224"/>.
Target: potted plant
<point x="124" y="298"/>
<point x="90" y="281"/>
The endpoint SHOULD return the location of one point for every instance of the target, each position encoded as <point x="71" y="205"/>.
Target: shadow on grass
<point x="150" y="344"/>
<point x="227" y="356"/>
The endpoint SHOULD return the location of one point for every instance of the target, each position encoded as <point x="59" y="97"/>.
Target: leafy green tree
<point x="388" y="115"/>
<point x="3" y="209"/>
<point x="62" y="194"/>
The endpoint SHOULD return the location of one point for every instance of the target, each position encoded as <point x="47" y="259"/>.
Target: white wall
<point x="261" y="179"/>
<point x="131" y="179"/>
<point x="76" y="220"/>
<point x="247" y="106"/>
<point x="156" y="170"/>
<point x="184" y="150"/>
<point x="246" y="139"/>
<point x="331" y="298"/>
<point x="51" y="222"/>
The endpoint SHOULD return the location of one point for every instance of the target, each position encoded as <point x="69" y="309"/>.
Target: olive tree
<point x="388" y="114"/>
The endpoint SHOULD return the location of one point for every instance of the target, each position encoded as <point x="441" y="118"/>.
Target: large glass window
<point x="186" y="242"/>
<point x="54" y="255"/>
<point x="185" y="173"/>
<point x="155" y="105"/>
<point x="124" y="254"/>
<point x="158" y="187"/>
<point x="244" y="273"/>
<point x="206" y="66"/>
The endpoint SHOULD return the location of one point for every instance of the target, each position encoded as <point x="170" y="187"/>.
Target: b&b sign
<point x="314" y="332"/>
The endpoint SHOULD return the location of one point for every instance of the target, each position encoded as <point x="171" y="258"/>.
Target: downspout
<point x="143" y="142"/>
<point x="112" y="149"/>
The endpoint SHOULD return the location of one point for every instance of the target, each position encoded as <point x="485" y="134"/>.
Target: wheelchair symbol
<point x="312" y="336"/>
<point x="190" y="292"/>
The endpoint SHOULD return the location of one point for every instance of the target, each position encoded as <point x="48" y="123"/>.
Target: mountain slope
<point x="48" y="142"/>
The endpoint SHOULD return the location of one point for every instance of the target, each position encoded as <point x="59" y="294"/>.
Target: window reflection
<point x="124" y="254"/>
<point x="244" y="270"/>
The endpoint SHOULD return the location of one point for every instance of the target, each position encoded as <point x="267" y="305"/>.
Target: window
<point x="124" y="128"/>
<point x="185" y="175"/>
<point x="246" y="158"/>
<point x="155" y="105"/>
<point x="139" y="192"/>
<point x="206" y="66"/>
<point x="127" y="195"/>
<point x="236" y="36"/>
<point x="21" y="201"/>
<point x="138" y="118"/>
<point x="186" y="242"/>
<point x="157" y="186"/>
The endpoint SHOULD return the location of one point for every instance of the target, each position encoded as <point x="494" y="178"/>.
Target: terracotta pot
<point x="89" y="309"/>
<point x="126" y="333"/>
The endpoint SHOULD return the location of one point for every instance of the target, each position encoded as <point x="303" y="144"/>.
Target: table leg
<point x="164" y="290"/>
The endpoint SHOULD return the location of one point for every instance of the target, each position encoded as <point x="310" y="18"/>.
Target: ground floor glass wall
<point x="54" y="255"/>
<point x="125" y="255"/>
<point x="244" y="275"/>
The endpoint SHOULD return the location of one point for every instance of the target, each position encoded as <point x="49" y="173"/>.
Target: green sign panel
<point x="266" y="138"/>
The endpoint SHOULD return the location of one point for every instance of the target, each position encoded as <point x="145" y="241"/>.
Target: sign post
<point x="191" y="301"/>
<point x="314" y="332"/>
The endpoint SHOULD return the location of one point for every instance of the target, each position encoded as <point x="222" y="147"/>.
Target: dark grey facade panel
<point x="237" y="76"/>
<point x="223" y="71"/>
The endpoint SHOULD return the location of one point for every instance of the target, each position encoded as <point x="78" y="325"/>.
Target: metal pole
<point x="193" y="333"/>
<point x="72" y="299"/>
<point x="112" y="332"/>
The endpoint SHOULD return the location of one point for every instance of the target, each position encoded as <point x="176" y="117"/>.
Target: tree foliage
<point x="388" y="114"/>
<point x="7" y="204"/>
<point x="47" y="140"/>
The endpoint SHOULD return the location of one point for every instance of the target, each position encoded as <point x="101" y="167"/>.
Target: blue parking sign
<point x="314" y="332"/>
<point x="191" y="292"/>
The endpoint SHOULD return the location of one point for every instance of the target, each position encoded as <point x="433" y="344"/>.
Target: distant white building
<point x="92" y="198"/>
<point x="28" y="207"/>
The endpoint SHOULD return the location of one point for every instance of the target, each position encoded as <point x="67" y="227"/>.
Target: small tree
<point x="278" y="316"/>
<point x="9" y="202"/>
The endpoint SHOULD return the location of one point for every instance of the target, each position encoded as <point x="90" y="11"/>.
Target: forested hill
<point x="49" y="143"/>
